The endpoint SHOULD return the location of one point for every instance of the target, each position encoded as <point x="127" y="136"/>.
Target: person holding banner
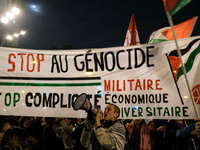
<point x="104" y="134"/>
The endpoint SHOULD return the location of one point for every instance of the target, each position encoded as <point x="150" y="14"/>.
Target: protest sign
<point x="139" y="79"/>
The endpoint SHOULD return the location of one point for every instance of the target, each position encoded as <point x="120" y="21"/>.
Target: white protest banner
<point x="138" y="79"/>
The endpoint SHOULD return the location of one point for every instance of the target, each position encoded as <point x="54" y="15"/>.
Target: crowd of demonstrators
<point x="178" y="135"/>
<point x="49" y="139"/>
<point x="6" y="123"/>
<point x="64" y="129"/>
<point x="157" y="128"/>
<point x="101" y="132"/>
<point x="26" y="124"/>
<point x="76" y="134"/>
<point x="14" y="139"/>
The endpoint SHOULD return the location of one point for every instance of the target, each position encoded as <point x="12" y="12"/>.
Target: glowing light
<point x="23" y="91"/>
<point x="9" y="15"/>
<point x="33" y="6"/>
<point x="4" y="20"/>
<point x="9" y="37"/>
<point x="22" y="32"/>
<point x="174" y="71"/>
<point x="16" y="35"/>
<point x="15" y="10"/>
<point x="89" y="73"/>
<point x="185" y="96"/>
<point x="34" y="62"/>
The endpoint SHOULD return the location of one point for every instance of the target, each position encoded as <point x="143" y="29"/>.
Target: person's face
<point x="5" y="127"/>
<point x="109" y="113"/>
<point x="138" y="121"/>
<point x="44" y="123"/>
<point x="152" y="126"/>
<point x="26" y="123"/>
<point x="68" y="121"/>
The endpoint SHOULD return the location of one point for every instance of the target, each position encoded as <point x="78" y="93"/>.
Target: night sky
<point x="93" y="23"/>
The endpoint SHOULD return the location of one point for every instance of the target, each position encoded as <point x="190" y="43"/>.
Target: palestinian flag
<point x="188" y="57"/>
<point x="132" y="37"/>
<point x="182" y="30"/>
<point x="173" y="6"/>
<point x="191" y="60"/>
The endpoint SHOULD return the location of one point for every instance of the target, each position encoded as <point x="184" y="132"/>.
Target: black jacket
<point x="50" y="141"/>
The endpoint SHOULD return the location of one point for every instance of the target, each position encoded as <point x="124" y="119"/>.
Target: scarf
<point x="144" y="135"/>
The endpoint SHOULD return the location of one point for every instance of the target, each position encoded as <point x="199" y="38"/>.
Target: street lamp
<point x="11" y="37"/>
<point x="10" y="15"/>
<point x="22" y="32"/>
<point x="15" y="10"/>
<point x="16" y="35"/>
<point x="4" y="20"/>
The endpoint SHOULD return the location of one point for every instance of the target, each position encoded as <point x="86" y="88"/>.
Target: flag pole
<point x="182" y="65"/>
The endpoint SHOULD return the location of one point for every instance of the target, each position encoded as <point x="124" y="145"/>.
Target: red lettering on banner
<point x="113" y="85"/>
<point x="131" y="84"/>
<point x="157" y="84"/>
<point x="124" y="86"/>
<point x="107" y="85"/>
<point x="118" y="89"/>
<point x="11" y="62"/>
<point x="39" y="60"/>
<point x="22" y="60"/>
<point x="33" y="64"/>
<point x="138" y="85"/>
<point x="30" y="60"/>
<point x="149" y="84"/>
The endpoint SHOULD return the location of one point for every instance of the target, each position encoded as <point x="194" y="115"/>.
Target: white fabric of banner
<point x="138" y="79"/>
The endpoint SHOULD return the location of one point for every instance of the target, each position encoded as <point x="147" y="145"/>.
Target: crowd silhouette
<point x="37" y="133"/>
